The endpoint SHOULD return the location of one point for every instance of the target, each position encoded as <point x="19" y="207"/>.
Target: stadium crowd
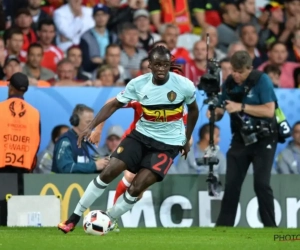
<point x="105" y="43"/>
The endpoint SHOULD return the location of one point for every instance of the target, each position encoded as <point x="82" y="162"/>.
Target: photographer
<point x="248" y="96"/>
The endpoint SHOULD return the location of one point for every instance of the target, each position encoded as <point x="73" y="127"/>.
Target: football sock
<point x="121" y="188"/>
<point x="124" y="203"/>
<point x="94" y="190"/>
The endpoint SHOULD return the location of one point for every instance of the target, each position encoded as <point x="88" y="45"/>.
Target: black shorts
<point x="138" y="151"/>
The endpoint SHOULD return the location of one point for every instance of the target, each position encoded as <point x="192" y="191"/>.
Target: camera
<point x="253" y="129"/>
<point x="210" y="84"/>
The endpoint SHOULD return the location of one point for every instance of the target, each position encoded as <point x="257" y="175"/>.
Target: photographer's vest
<point x="178" y="13"/>
<point x="82" y="152"/>
<point x="239" y="97"/>
<point x="19" y="133"/>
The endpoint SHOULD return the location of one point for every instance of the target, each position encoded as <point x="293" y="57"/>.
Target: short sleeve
<point x="190" y="92"/>
<point x="128" y="94"/>
<point x="154" y="6"/>
<point x="266" y="90"/>
<point x="198" y="5"/>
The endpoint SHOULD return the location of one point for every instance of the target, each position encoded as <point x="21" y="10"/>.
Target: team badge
<point x="172" y="96"/>
<point x="120" y="150"/>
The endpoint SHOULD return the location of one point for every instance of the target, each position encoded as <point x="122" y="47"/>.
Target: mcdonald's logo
<point x="65" y="199"/>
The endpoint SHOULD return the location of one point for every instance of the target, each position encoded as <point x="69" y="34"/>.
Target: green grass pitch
<point x="147" y="239"/>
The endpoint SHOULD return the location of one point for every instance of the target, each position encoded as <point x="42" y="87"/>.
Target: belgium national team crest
<point x="120" y="150"/>
<point x="171" y="96"/>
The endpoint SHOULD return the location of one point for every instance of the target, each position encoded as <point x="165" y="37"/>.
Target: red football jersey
<point x="137" y="115"/>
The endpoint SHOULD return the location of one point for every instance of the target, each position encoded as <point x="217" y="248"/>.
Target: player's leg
<point x="93" y="191"/>
<point x="143" y="180"/>
<point x="155" y="166"/>
<point x="123" y="184"/>
<point x="129" y="153"/>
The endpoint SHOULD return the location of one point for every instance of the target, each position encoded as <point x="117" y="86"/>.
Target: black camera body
<point x="210" y="82"/>
<point x="253" y="129"/>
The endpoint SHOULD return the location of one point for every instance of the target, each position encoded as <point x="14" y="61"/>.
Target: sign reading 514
<point x="11" y="158"/>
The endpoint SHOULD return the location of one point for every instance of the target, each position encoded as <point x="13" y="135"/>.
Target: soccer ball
<point x="96" y="222"/>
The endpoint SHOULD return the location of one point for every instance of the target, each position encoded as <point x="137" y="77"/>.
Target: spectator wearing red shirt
<point x="24" y="22"/>
<point x="52" y="54"/>
<point x="197" y="67"/>
<point x="170" y="33"/>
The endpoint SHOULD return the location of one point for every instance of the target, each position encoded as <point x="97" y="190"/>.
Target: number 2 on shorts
<point x="164" y="158"/>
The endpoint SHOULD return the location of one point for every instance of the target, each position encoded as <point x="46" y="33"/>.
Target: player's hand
<point x="185" y="149"/>
<point x="84" y="135"/>
<point x="233" y="107"/>
<point x="95" y="138"/>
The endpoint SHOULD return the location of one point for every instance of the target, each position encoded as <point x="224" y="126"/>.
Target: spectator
<point x="72" y="20"/>
<point x="291" y="16"/>
<point x="234" y="47"/>
<point x="67" y="157"/>
<point x="105" y="77"/>
<point x="52" y="54"/>
<point x="12" y="66"/>
<point x="294" y="53"/>
<point x="66" y="74"/>
<point x="288" y="161"/>
<point x="170" y="33"/>
<point x="247" y="12"/>
<point x="44" y="162"/>
<point x="93" y="43"/>
<point x="113" y="139"/>
<point x="292" y="9"/>
<point x="37" y="14"/>
<point x="226" y="68"/>
<point x="227" y="31"/>
<point x="273" y="71"/>
<point x="74" y="54"/>
<point x="15" y="111"/>
<point x="131" y="55"/>
<point x="176" y="12"/>
<point x="213" y="42"/>
<point x="122" y="13"/>
<point x="146" y="37"/>
<point x="11" y="8"/>
<point x="196" y="68"/>
<point x="33" y="66"/>
<point x="189" y="165"/>
<point x="14" y="43"/>
<point x="113" y="59"/>
<point x="249" y="38"/>
<point x="274" y="28"/>
<point x="278" y="56"/>
<point x="209" y="13"/>
<point x="24" y="22"/>
<point x="145" y="66"/>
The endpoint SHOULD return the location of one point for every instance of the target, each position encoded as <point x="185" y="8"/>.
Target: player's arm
<point x="267" y="97"/>
<point x="109" y="108"/>
<point x="99" y="128"/>
<point x="193" y="113"/>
